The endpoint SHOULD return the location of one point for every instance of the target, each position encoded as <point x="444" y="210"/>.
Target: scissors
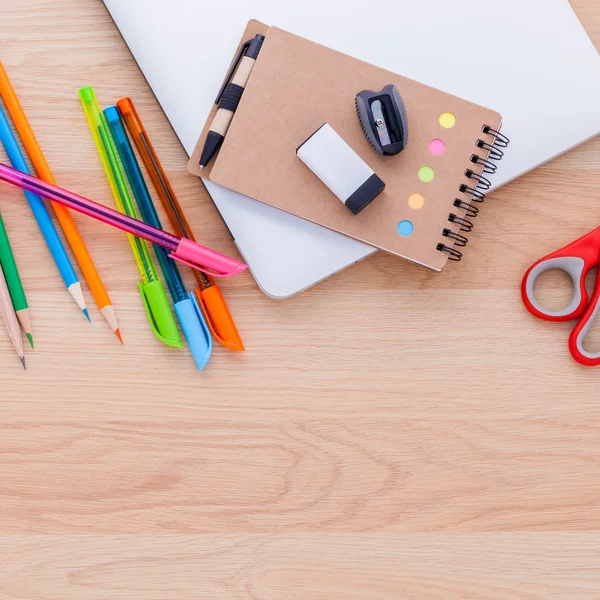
<point x="576" y="259"/>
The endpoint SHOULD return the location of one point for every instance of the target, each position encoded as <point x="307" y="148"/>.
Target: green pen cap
<point x="160" y="314"/>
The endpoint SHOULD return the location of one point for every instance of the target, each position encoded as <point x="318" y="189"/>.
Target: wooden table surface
<point x="390" y="434"/>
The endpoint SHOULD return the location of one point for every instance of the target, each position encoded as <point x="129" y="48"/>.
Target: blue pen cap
<point x="117" y="130"/>
<point x="195" y="330"/>
<point x="112" y="114"/>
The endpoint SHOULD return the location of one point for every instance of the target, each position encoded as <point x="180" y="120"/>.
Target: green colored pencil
<point x="13" y="280"/>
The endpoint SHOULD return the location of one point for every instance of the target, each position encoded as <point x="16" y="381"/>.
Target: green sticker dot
<point x="426" y="174"/>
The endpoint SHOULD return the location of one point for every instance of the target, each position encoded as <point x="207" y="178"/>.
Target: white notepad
<point x="530" y="60"/>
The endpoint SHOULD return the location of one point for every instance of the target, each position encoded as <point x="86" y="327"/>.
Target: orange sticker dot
<point x="416" y="201"/>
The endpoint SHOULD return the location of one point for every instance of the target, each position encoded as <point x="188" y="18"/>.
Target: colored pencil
<point x="10" y="320"/>
<point x="55" y="245"/>
<point x="72" y="234"/>
<point x="13" y="280"/>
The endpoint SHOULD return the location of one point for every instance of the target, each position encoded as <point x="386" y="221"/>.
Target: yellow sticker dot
<point x="416" y="201"/>
<point x="447" y="120"/>
<point x="426" y="174"/>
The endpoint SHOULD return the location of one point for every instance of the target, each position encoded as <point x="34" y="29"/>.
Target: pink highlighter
<point x="181" y="249"/>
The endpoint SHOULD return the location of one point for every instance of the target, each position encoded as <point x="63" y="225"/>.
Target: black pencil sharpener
<point x="383" y="119"/>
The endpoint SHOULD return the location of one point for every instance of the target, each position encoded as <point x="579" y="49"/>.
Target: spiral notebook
<point x="434" y="185"/>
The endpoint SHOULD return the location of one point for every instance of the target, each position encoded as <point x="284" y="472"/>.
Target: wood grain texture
<point x="303" y="567"/>
<point x="390" y="434"/>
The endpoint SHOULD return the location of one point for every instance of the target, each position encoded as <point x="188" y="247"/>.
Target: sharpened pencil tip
<point x="30" y="338"/>
<point x="108" y="312"/>
<point x="23" y="362"/>
<point x="87" y="314"/>
<point x="75" y="291"/>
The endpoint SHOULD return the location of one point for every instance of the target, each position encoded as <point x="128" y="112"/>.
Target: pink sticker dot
<point x="437" y="147"/>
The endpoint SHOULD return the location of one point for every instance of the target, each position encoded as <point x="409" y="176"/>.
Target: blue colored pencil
<point x="44" y="221"/>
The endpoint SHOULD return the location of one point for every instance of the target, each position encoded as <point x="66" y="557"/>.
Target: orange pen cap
<point x="219" y="318"/>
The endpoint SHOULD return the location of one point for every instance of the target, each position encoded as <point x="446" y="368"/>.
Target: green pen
<point x="13" y="280"/>
<point x="152" y="290"/>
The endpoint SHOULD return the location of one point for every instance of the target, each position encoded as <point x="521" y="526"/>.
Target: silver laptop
<point x="541" y="72"/>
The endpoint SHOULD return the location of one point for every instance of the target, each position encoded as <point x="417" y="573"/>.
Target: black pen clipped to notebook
<point x="230" y="95"/>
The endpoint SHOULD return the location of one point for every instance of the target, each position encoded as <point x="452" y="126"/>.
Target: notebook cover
<point x="295" y="87"/>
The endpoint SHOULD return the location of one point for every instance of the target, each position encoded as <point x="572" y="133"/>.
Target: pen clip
<point x="175" y="341"/>
<point x="232" y="69"/>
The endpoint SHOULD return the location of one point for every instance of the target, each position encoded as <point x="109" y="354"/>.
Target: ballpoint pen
<point x="180" y="249"/>
<point x="230" y="95"/>
<point x="151" y="288"/>
<point x="14" y="283"/>
<point x="208" y="293"/>
<point x="72" y="234"/>
<point x="188" y="314"/>
<point x="9" y="318"/>
<point x="55" y="245"/>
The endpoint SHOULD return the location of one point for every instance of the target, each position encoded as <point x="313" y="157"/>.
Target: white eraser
<point x="343" y="171"/>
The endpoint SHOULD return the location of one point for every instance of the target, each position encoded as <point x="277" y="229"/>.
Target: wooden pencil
<point x="13" y="280"/>
<point x="10" y="320"/>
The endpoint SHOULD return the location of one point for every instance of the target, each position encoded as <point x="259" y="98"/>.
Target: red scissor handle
<point x="589" y="359"/>
<point x="572" y="265"/>
<point x="576" y="259"/>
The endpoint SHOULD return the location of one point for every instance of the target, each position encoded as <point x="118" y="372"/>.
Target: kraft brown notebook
<point x="433" y="185"/>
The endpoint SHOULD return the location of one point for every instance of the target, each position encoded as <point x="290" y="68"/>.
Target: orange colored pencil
<point x="62" y="214"/>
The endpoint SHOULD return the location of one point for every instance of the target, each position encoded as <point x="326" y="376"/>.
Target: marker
<point x="191" y="320"/>
<point x="208" y="293"/>
<point x="151" y="288"/>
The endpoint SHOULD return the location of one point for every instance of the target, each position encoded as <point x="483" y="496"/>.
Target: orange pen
<point x="62" y="214"/>
<point x="208" y="293"/>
